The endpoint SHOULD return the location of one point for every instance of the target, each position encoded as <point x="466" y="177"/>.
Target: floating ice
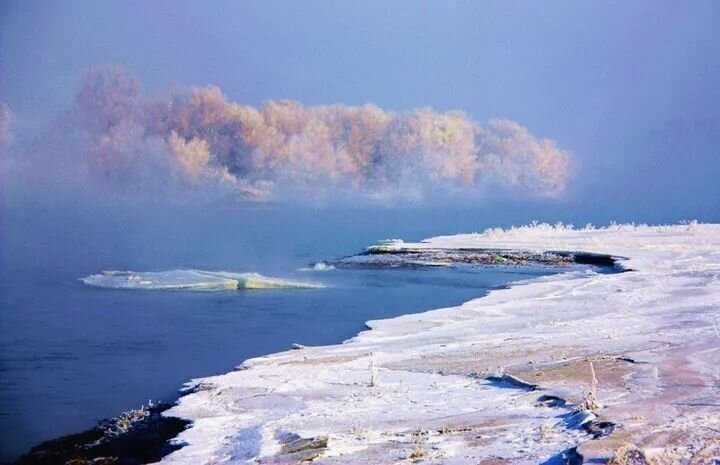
<point x="191" y="280"/>
<point x="319" y="266"/>
<point x="322" y="266"/>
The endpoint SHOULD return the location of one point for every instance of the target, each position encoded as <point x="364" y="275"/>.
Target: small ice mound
<point x="319" y="266"/>
<point x="322" y="266"/>
<point x="386" y="245"/>
<point x="190" y="280"/>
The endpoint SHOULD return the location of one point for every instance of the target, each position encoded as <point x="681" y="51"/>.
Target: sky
<point x="630" y="89"/>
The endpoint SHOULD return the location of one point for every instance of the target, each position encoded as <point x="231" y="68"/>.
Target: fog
<point x="412" y="120"/>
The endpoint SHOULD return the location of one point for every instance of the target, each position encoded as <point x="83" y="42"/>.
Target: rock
<point x="135" y="437"/>
<point x="551" y="401"/>
<point x="578" y="418"/>
<point x="303" y="449"/>
<point x="513" y="381"/>
<point x="598" y="429"/>
<point x="304" y="444"/>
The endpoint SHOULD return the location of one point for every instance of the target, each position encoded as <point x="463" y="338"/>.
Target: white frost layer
<point x="192" y="280"/>
<point x="372" y="394"/>
<point x="319" y="266"/>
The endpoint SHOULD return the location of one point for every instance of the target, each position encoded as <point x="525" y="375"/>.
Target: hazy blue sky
<point x="631" y="88"/>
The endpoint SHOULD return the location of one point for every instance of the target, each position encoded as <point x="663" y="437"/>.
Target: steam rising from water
<point x="4" y="122"/>
<point x="198" y="140"/>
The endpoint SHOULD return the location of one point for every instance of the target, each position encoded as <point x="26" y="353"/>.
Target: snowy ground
<point x="420" y="388"/>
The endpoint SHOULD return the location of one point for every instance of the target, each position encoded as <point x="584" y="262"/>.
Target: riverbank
<point x="498" y="379"/>
<point x="138" y="338"/>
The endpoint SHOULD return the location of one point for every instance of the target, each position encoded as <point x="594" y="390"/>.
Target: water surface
<point x="71" y="354"/>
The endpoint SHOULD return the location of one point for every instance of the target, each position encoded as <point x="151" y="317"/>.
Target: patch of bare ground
<point x="575" y="376"/>
<point x="322" y="360"/>
<point x="642" y="398"/>
<point x="678" y="423"/>
<point x="495" y="461"/>
<point x="487" y="359"/>
<point x="699" y="453"/>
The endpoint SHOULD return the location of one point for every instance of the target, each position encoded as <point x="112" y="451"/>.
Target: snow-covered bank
<point x="428" y="386"/>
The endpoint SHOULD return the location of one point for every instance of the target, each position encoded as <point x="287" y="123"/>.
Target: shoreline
<point x="354" y="402"/>
<point x="94" y="443"/>
<point x="432" y="386"/>
<point x="136" y="436"/>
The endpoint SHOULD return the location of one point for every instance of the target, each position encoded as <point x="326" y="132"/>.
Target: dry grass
<point x="536" y="228"/>
<point x="372" y="367"/>
<point x="419" y="450"/>
<point x="590" y="402"/>
<point x="418" y="453"/>
<point x="628" y="454"/>
<point x="707" y="453"/>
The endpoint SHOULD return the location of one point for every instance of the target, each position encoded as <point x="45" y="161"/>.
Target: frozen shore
<point x="560" y="369"/>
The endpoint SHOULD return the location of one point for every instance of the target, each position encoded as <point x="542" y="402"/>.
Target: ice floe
<point x="190" y="280"/>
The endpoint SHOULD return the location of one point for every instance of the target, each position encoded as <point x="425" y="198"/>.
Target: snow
<point x="319" y="266"/>
<point x="415" y="388"/>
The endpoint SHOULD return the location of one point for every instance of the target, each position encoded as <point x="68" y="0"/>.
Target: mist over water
<point x="72" y="354"/>
<point x="76" y="354"/>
